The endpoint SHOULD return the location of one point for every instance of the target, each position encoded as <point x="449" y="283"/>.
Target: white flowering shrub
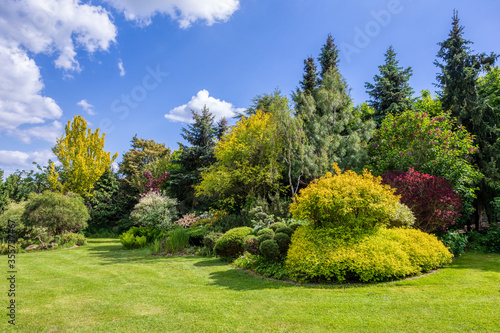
<point x="155" y="210"/>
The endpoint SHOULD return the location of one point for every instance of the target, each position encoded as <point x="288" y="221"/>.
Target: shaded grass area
<point x="102" y="288"/>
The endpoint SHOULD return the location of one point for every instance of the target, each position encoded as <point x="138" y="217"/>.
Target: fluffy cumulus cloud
<point x="217" y="107"/>
<point x="53" y="27"/>
<point x="13" y="160"/>
<point x="185" y="12"/>
<point x="87" y="107"/>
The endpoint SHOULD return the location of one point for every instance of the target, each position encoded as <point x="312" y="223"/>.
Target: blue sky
<point x="137" y="67"/>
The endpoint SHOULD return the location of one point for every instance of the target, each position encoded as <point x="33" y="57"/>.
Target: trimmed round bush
<point x="57" y="212"/>
<point x="285" y="230"/>
<point x="211" y="238"/>
<point x="264" y="237"/>
<point x="267" y="231"/>
<point x="323" y="254"/>
<point x="230" y="245"/>
<point x="251" y="245"/>
<point x="283" y="241"/>
<point x="295" y="225"/>
<point x="270" y="250"/>
<point x="346" y="199"/>
<point x="277" y="225"/>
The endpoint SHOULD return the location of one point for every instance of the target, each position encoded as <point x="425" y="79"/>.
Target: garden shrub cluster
<point x="57" y="212"/>
<point x="329" y="254"/>
<point x="346" y="199"/>
<point x="155" y="210"/>
<point x="435" y="204"/>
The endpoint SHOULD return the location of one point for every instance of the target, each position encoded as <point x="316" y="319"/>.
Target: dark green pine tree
<point x="329" y="56"/>
<point x="201" y="135"/>
<point x="390" y="92"/>
<point x="310" y="77"/>
<point x="458" y="84"/>
<point x="4" y="196"/>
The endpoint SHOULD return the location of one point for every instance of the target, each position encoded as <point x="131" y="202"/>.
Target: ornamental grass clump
<point x="358" y="202"/>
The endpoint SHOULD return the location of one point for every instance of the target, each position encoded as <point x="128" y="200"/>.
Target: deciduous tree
<point x="82" y="156"/>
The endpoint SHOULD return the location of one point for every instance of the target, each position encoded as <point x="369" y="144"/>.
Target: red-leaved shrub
<point x="434" y="203"/>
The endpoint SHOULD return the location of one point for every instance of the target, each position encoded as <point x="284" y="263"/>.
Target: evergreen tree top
<point x="202" y="131"/>
<point x="329" y="56"/>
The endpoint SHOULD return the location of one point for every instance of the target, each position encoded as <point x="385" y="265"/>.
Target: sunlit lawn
<point x="102" y="288"/>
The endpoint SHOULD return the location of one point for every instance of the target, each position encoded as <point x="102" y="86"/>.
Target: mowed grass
<point x="102" y="288"/>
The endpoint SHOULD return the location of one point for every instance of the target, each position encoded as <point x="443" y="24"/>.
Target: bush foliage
<point x="155" y="210"/>
<point x="346" y="199"/>
<point x="435" y="204"/>
<point x="231" y="244"/>
<point x="57" y="212"/>
<point x="328" y="254"/>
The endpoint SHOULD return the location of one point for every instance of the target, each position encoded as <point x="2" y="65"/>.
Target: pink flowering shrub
<point x="434" y="203"/>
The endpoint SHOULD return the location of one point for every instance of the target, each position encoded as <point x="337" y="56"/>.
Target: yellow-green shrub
<point x="331" y="254"/>
<point x="346" y="199"/>
<point x="231" y="244"/>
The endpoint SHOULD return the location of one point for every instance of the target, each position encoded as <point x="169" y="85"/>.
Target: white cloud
<point x="53" y="27"/>
<point x="21" y="101"/>
<point x="217" y="107"/>
<point x="86" y="106"/>
<point x="120" y="67"/>
<point x="49" y="132"/>
<point x="185" y="12"/>
<point x="12" y="160"/>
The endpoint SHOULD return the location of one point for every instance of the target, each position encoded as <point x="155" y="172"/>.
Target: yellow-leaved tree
<point x="82" y="156"/>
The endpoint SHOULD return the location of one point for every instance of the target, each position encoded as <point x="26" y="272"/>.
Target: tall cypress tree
<point x="391" y="91"/>
<point x="458" y="91"/>
<point x="329" y="56"/>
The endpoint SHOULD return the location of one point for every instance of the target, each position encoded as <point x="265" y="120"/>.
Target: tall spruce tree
<point x="391" y="92"/>
<point x="201" y="135"/>
<point x="329" y="56"/>
<point x="310" y="78"/>
<point x="458" y="91"/>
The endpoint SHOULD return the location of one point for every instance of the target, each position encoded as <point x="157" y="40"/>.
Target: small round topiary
<point x="263" y="238"/>
<point x="268" y="231"/>
<point x="251" y="245"/>
<point x="270" y="250"/>
<point x="285" y="230"/>
<point x="277" y="225"/>
<point x="231" y="244"/>
<point x="283" y="241"/>
<point x="294" y="225"/>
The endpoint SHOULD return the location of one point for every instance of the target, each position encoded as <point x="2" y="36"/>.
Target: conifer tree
<point x="458" y="91"/>
<point x="201" y="135"/>
<point x="329" y="56"/>
<point x="390" y="92"/>
<point x="310" y="77"/>
<point x="334" y="128"/>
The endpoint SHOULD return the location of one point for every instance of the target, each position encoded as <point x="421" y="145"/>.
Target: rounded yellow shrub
<point x="331" y="254"/>
<point x="346" y="199"/>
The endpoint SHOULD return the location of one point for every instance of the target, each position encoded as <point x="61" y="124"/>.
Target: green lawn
<point x="102" y="288"/>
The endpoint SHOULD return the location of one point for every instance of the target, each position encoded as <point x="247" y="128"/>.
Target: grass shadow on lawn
<point x="239" y="280"/>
